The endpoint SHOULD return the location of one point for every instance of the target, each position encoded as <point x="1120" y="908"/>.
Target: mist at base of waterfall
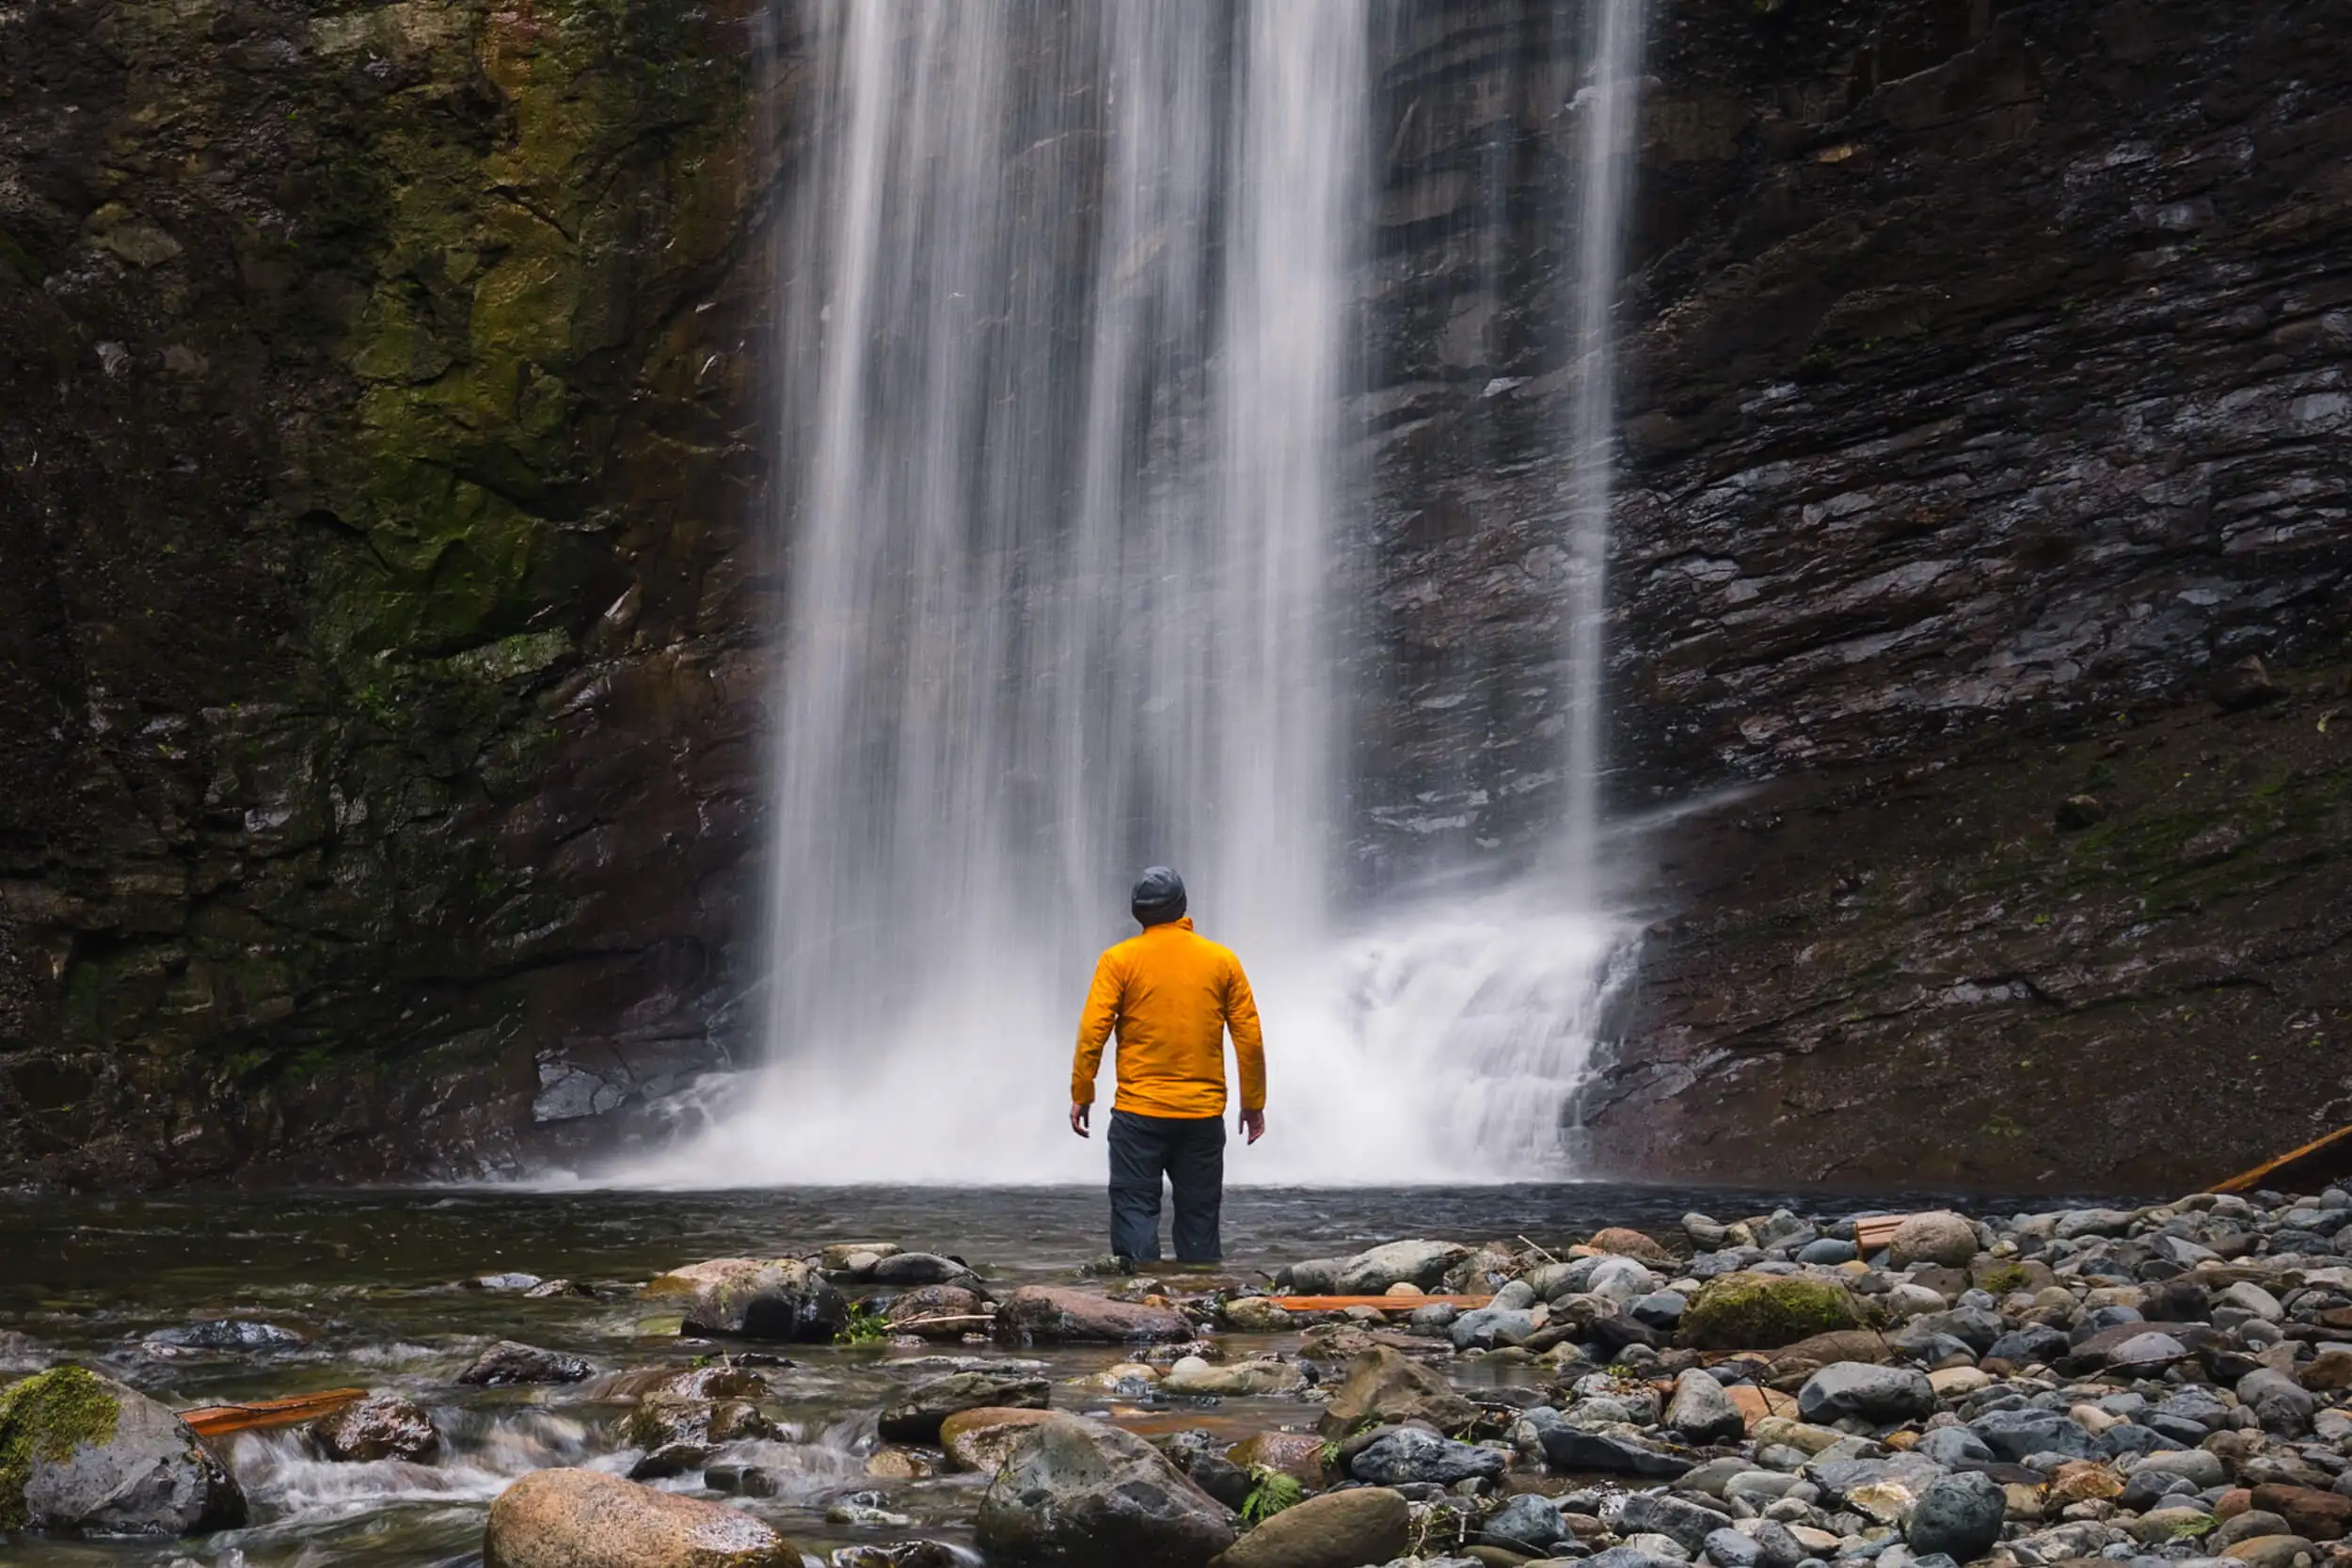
<point x="1440" y="1047"/>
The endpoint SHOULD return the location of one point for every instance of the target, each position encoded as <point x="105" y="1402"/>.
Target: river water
<point x="372" y="1282"/>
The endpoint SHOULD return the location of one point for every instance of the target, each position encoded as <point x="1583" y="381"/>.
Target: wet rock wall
<point x="1984" y="401"/>
<point x="377" y="429"/>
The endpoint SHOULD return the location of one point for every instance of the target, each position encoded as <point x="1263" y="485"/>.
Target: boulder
<point x="1617" y="1449"/>
<point x="980" y="1439"/>
<point x="1527" y="1523"/>
<point x="1879" y="1395"/>
<point x="1418" y="1262"/>
<point x="920" y="1268"/>
<point x="509" y="1362"/>
<point x="1686" y="1524"/>
<point x="1255" y="1315"/>
<point x="1882" y="1490"/>
<point x="81" y="1452"/>
<point x="2200" y="1468"/>
<point x="1764" y="1311"/>
<point x="2328" y="1373"/>
<point x="2281" y="1404"/>
<point x="1076" y="1494"/>
<point x="1206" y="1379"/>
<point x="756" y="1299"/>
<point x="1339" y="1530"/>
<point x="1938" y="1236"/>
<point x="1959" y="1516"/>
<point x="1054" y="1315"/>
<point x="2016" y="1435"/>
<point x="916" y="1416"/>
<point x="1793" y="1364"/>
<point x="382" y="1426"/>
<point x="922" y="1311"/>
<point x="1383" y="1385"/>
<point x="2272" y="1551"/>
<point x="229" y="1333"/>
<point x="588" y="1519"/>
<point x="1623" y="1243"/>
<point x="2307" y="1511"/>
<point x="856" y="1259"/>
<point x="679" y="1434"/>
<point x="1701" y="1412"/>
<point x="1409" y="1454"/>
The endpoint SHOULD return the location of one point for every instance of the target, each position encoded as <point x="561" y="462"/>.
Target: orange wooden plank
<point x="1399" y="1304"/>
<point x="2246" y="1181"/>
<point x="1872" y="1234"/>
<point x="212" y="1421"/>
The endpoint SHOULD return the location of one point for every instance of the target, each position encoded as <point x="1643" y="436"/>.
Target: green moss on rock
<point x="45" y="1418"/>
<point x="1760" y="1311"/>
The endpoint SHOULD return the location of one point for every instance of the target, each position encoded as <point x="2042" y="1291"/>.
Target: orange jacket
<point x="1171" y="995"/>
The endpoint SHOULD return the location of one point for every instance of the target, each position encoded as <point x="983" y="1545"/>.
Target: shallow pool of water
<point x="371" y="1280"/>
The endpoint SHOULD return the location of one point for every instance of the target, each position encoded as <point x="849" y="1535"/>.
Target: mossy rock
<point x="1764" y="1311"/>
<point x="43" y="1419"/>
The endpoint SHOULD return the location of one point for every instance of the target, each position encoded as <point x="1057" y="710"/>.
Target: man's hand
<point x="1253" y="1123"/>
<point x="1079" y="1115"/>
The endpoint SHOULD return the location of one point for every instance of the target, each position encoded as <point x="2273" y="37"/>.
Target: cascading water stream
<point x="1069" y="315"/>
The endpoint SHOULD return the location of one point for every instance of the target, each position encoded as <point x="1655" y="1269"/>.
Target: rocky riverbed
<point x="2163" y="1384"/>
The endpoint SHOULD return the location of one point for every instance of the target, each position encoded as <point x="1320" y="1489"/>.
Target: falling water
<point x="1070" y="294"/>
<point x="1608" y="108"/>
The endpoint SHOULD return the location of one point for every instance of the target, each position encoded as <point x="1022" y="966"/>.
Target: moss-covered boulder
<point x="82" y="1452"/>
<point x="1763" y="1311"/>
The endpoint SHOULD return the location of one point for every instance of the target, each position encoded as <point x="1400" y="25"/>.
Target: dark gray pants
<point x="1190" y="1150"/>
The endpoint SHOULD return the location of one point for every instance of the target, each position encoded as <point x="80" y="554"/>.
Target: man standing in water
<point x="1171" y="995"/>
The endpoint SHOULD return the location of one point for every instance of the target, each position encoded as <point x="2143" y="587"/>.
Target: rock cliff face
<point x="376" y="433"/>
<point x="1987" y="399"/>
<point x="381" y="460"/>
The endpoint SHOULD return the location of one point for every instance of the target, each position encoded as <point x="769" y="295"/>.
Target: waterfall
<point x="1069" y="292"/>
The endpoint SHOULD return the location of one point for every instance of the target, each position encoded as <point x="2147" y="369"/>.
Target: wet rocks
<point x="748" y="1298"/>
<point x="569" y="1518"/>
<point x="980" y="1439"/>
<point x="1760" y="1311"/>
<point x="1053" y="1315"/>
<point x="228" y="1333"/>
<point x="1937" y="1236"/>
<point x="937" y="1312"/>
<point x="679" y="1434"/>
<point x="1686" y="1524"/>
<point x="382" y="1426"/>
<point x="1254" y="1315"/>
<point x="1073" y="1494"/>
<point x="1620" y="1241"/>
<point x="922" y="1268"/>
<point x="1879" y="1395"/>
<point x="81" y="1452"/>
<point x="1959" y="1516"/>
<point x="1339" y="1530"/>
<point x="509" y="1362"/>
<point x="1701" y="1412"/>
<point x="917" y="1415"/>
<point x="1617" y="1449"/>
<point x="1409" y="1454"/>
<point x="1199" y="1378"/>
<point x="1384" y="1385"/>
<point x="1422" y="1264"/>
<point x="2307" y="1511"/>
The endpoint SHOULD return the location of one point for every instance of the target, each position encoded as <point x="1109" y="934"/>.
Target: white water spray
<point x="1073" y="301"/>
